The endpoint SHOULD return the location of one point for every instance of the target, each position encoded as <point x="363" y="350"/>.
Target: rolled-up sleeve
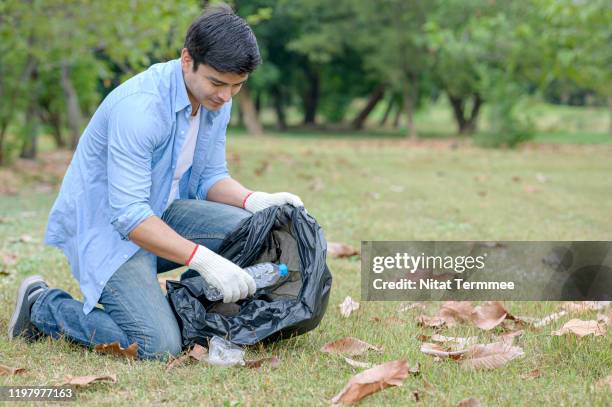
<point x="216" y="168"/>
<point x="134" y="131"/>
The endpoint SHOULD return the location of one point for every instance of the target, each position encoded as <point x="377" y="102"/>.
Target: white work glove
<point x="257" y="201"/>
<point x="231" y="280"/>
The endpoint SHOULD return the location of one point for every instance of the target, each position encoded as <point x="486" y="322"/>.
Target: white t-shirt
<point x="185" y="158"/>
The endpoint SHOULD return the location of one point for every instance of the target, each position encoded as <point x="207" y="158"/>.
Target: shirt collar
<point x="181" y="98"/>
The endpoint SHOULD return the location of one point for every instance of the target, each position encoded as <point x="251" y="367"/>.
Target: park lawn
<point x="360" y="190"/>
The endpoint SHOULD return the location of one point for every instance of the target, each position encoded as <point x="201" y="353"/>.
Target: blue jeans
<point x="135" y="308"/>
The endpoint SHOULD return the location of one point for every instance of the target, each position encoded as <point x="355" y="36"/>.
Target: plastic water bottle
<point x="264" y="274"/>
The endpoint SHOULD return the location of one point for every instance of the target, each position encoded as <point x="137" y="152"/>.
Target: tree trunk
<point x="465" y="122"/>
<point x="2" y="134"/>
<point x="398" y="113"/>
<point x="30" y="138"/>
<point x="279" y="108"/>
<point x="409" y="104"/>
<point x="258" y="103"/>
<point x="311" y="97"/>
<point x="249" y="113"/>
<point x="385" y="117"/>
<point x="75" y="117"/>
<point x="375" y="97"/>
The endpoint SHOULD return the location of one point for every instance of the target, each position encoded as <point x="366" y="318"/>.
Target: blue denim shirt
<point x="122" y="170"/>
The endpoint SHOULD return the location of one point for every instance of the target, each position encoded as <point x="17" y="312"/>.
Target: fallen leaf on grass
<point x="85" y="380"/>
<point x="454" y="312"/>
<point x="198" y="353"/>
<point x="509" y="337"/>
<point x="263" y="166"/>
<point x="489" y="315"/>
<point x="408" y="307"/>
<point x="458" y="341"/>
<point x="349" y="346"/>
<point x="356" y="363"/>
<point x="486" y="316"/>
<point x="534" y="374"/>
<point x="490" y="356"/>
<point x="604" y="383"/>
<point x="131" y="352"/>
<point x="371" y="381"/>
<point x="471" y="402"/>
<point x="341" y="250"/>
<point x="348" y="306"/>
<point x="581" y="328"/>
<point x="605" y="318"/>
<point x="432" y="322"/>
<point x="25" y="238"/>
<point x="530" y="189"/>
<point x="273" y="361"/>
<point x="9" y="259"/>
<point x="547" y="320"/>
<point x="434" y="349"/>
<point x="584" y="306"/>
<point x="10" y="371"/>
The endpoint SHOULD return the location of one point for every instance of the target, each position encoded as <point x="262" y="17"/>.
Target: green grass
<point x="350" y="188"/>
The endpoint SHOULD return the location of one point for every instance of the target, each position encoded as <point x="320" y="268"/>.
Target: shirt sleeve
<point x="134" y="130"/>
<point x="216" y="168"/>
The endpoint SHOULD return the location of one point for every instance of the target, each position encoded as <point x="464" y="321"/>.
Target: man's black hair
<point x="221" y="39"/>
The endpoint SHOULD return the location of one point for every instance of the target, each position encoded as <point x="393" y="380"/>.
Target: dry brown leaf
<point x="356" y="363"/>
<point x="471" y="402"/>
<point x="341" y="250"/>
<point x="273" y="361"/>
<point x="114" y="348"/>
<point x="414" y="305"/>
<point x="584" y="306"/>
<point x="460" y="342"/>
<point x="432" y="322"/>
<point x="605" y="318"/>
<point x="263" y="166"/>
<point x="605" y="383"/>
<point x="198" y="353"/>
<point x="488" y="315"/>
<point x="434" y="349"/>
<point x="530" y="189"/>
<point x="549" y="318"/>
<point x="534" y="374"/>
<point x="349" y="346"/>
<point x="25" y="238"/>
<point x="371" y="381"/>
<point x="9" y="259"/>
<point x="453" y="312"/>
<point x="509" y="337"/>
<point x="10" y="371"/>
<point x="85" y="380"/>
<point x="490" y="356"/>
<point x="348" y="306"/>
<point x="581" y="328"/>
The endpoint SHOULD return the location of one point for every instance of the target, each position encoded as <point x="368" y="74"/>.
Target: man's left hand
<point x="258" y="200"/>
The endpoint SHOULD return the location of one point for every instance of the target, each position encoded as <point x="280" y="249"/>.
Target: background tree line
<point x="59" y="58"/>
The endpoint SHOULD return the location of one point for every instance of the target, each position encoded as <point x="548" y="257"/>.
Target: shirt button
<point x="101" y="282"/>
<point x="125" y="256"/>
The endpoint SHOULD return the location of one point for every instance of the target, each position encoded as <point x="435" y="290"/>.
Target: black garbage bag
<point x="293" y="306"/>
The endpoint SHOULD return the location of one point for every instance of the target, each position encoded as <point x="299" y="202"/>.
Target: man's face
<point x="208" y="86"/>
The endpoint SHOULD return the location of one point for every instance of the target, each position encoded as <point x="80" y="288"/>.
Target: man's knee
<point x="160" y="343"/>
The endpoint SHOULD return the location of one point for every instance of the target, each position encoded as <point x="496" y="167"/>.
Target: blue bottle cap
<point x="283" y="269"/>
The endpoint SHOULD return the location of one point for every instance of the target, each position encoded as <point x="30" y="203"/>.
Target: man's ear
<point x="186" y="60"/>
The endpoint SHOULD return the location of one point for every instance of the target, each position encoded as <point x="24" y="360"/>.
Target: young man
<point x="147" y="191"/>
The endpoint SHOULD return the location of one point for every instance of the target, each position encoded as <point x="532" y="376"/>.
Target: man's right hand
<point x="231" y="280"/>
